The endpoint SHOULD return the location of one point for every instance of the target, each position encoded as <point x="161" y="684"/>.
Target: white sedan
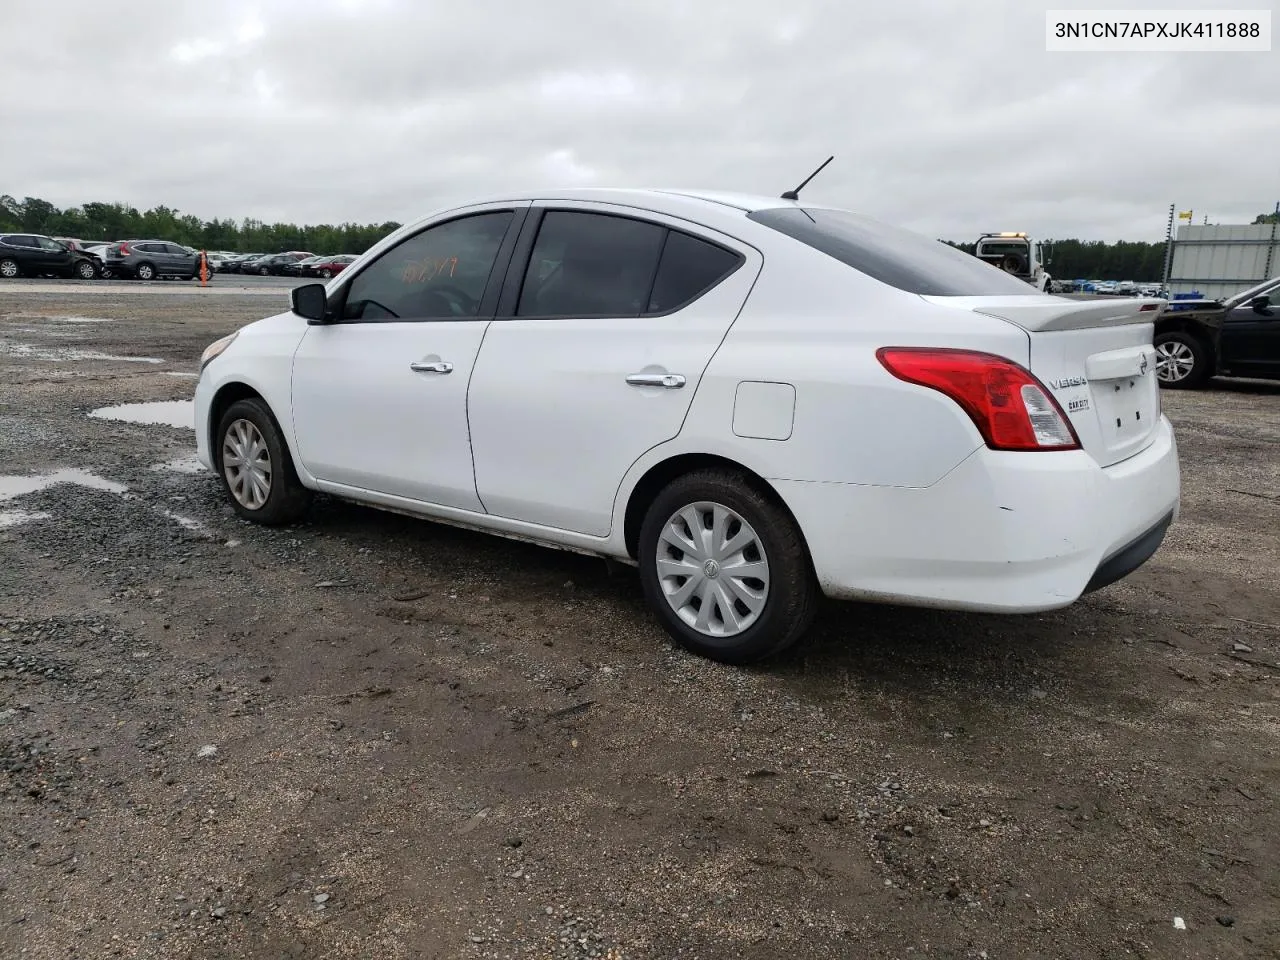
<point x="756" y="401"/>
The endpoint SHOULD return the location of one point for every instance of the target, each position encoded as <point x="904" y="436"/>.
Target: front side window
<point x="438" y="274"/>
<point x="900" y="258"/>
<point x="48" y="244"/>
<point x="590" y="265"/>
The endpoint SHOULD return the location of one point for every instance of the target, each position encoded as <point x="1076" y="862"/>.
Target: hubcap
<point x="144" y="273"/>
<point x="1174" y="361"/>
<point x="8" y="269"/>
<point x="712" y="569"/>
<point x="246" y="462"/>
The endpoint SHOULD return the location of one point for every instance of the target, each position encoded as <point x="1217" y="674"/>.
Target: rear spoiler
<point x="1037" y="313"/>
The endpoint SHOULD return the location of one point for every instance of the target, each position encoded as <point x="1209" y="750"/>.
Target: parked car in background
<point x="235" y="264"/>
<point x="295" y="267"/>
<point x="274" y="265"/>
<point x="602" y="372"/>
<point x="1235" y="337"/>
<point x="152" y="260"/>
<point x="35" y="255"/>
<point x="327" y="267"/>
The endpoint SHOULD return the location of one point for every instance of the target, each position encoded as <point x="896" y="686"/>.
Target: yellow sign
<point x="1185" y="215"/>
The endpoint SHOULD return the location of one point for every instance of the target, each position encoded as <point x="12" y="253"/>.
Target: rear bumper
<point x="1003" y="532"/>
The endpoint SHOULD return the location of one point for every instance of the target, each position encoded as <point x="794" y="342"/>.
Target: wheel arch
<point x="658" y="476"/>
<point x="1192" y="328"/>
<point x="234" y="390"/>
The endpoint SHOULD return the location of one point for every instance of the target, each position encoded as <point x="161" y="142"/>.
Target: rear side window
<point x="590" y="265"/>
<point x="603" y="265"/>
<point x="688" y="268"/>
<point x="897" y="257"/>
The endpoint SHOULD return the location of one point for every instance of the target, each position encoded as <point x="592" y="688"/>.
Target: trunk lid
<point x="1096" y="358"/>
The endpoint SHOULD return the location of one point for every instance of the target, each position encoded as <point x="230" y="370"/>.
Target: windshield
<point x="900" y="258"/>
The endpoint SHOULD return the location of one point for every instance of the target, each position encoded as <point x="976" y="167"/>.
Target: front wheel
<point x="725" y="568"/>
<point x="255" y="466"/>
<point x="1183" y="360"/>
<point x="86" y="270"/>
<point x="326" y="274"/>
<point x="263" y="271"/>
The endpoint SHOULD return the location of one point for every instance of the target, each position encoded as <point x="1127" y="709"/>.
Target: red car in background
<point x="327" y="267"/>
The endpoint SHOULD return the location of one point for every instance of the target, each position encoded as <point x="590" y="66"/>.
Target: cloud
<point x="949" y="118"/>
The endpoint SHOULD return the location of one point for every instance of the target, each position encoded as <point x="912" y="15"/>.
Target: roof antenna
<point x="795" y="194"/>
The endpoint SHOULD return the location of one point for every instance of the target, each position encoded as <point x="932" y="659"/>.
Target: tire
<point x="286" y="500"/>
<point x="326" y="274"/>
<point x="263" y="271"/>
<point x="1183" y="360"/>
<point x="788" y="587"/>
<point x="144" y="271"/>
<point x="9" y="269"/>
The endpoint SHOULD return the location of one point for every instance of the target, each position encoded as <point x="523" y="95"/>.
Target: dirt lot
<point x="430" y="743"/>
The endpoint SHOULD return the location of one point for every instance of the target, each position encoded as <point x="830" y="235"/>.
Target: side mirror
<point x="310" y="301"/>
<point x="1260" y="303"/>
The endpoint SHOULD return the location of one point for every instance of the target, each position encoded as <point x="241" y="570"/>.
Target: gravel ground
<point x="366" y="737"/>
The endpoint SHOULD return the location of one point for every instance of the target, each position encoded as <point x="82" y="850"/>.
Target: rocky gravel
<point x="371" y="737"/>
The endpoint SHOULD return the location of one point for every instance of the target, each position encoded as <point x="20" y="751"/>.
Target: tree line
<point x="120" y="221"/>
<point x="1071" y="259"/>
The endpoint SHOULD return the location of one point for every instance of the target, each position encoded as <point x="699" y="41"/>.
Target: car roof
<point x="653" y="198"/>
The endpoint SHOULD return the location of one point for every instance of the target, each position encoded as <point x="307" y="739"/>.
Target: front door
<point x="597" y="359"/>
<point x="1250" y="341"/>
<point x="380" y="394"/>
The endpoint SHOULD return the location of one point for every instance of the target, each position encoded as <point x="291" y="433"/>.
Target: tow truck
<point x="1018" y="254"/>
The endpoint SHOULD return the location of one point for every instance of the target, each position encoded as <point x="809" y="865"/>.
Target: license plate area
<point x="1127" y="410"/>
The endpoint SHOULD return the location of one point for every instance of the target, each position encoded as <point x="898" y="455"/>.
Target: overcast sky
<point x="945" y="117"/>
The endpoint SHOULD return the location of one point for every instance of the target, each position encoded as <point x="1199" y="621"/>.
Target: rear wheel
<point x="1183" y="360"/>
<point x="725" y="568"/>
<point x="144" y="271"/>
<point x="9" y="268"/>
<point x="255" y="466"/>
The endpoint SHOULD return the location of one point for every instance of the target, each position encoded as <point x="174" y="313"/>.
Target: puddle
<point x="14" y="518"/>
<point x="11" y="487"/>
<point x="11" y="348"/>
<point x="167" y="413"/>
<point x="182" y="465"/>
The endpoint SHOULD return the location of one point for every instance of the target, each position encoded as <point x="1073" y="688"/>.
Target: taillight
<point x="124" y="250"/>
<point x="1009" y="406"/>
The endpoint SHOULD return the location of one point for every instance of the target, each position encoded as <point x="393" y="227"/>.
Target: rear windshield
<point x="900" y="258"/>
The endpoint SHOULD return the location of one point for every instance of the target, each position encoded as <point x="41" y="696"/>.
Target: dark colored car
<point x="298" y="267"/>
<point x="326" y="267"/>
<point x="235" y="264"/>
<point x="34" y="255"/>
<point x="275" y="264"/>
<point x="151" y="260"/>
<point x="1236" y="337"/>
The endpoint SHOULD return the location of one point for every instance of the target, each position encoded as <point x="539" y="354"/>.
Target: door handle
<point x="671" y="381"/>
<point x="431" y="366"/>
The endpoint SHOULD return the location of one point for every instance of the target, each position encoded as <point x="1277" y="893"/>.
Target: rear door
<point x="608" y="320"/>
